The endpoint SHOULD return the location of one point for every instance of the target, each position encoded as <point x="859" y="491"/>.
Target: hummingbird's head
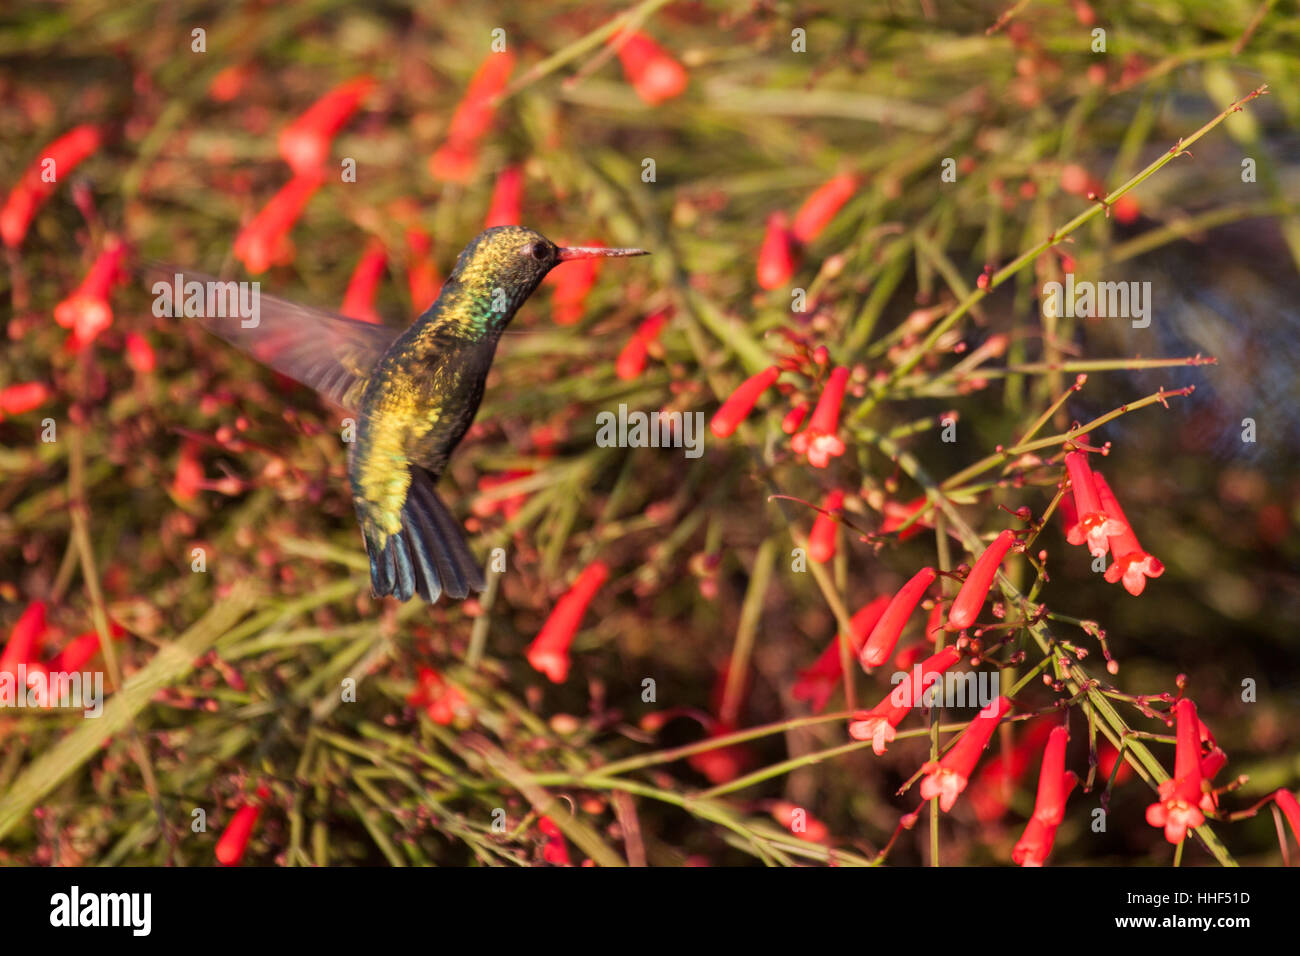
<point x="511" y="261"/>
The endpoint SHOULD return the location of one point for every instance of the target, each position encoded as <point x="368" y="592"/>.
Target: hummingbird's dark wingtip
<point x="598" y="252"/>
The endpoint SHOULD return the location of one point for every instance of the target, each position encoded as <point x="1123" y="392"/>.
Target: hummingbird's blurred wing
<point x="325" y="351"/>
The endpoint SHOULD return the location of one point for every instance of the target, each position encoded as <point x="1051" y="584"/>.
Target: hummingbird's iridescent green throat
<point x="415" y="394"/>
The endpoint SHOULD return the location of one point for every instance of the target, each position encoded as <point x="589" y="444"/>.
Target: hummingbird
<point x="415" y="394"/>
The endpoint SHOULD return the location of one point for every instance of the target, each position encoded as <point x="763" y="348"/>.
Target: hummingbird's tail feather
<point x="429" y="556"/>
<point x="439" y="539"/>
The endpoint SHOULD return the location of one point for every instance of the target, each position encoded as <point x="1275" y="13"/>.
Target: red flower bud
<point x="139" y="353"/>
<point x="506" y="206"/>
<point x="42" y="177"/>
<point x="631" y="360"/>
<point x="976" y="586"/>
<point x="264" y="241"/>
<point x="880" y="645"/>
<point x="359" y="300"/>
<point x="456" y="158"/>
<point x="741" y="402"/>
<point x="24" y="639"/>
<point x="549" y="652"/>
<point x="234" y="841"/>
<point x="776" y="257"/>
<point x="23" y="397"/>
<point x="820" y="208"/>
<point x="305" y="143"/>
<point x="654" y="74"/>
<point x="821" y="540"/>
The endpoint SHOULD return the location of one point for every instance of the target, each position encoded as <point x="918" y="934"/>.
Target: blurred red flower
<point x="820" y="208"/>
<point x="305" y="143"/>
<point x="821" y="540"/>
<point x="264" y="241"/>
<point x="42" y="177"/>
<point x="549" y="652"/>
<point x="359" y="299"/>
<point x="820" y="441"/>
<point x="631" y="360"/>
<point x="741" y="402"/>
<point x="22" y="397"/>
<point x="506" y="206"/>
<point x="86" y="311"/>
<point x="776" y="257"/>
<point x="654" y="74"/>
<point x="457" y="158"/>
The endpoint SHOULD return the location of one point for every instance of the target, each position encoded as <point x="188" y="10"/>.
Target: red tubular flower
<point x="554" y="851"/>
<point x="1069" y="516"/>
<point x="86" y="311"/>
<point x="1107" y="755"/>
<point x="816" y="684"/>
<point x="880" y="645"/>
<point x="359" y="300"/>
<point x="1178" y="809"/>
<point x="878" y="723"/>
<point x="794" y="418"/>
<point x="234" y="841"/>
<point x="139" y="353"/>
<point x="896" y="515"/>
<point x="1092" y="526"/>
<point x="991" y="788"/>
<point x="821" y="540"/>
<point x="422" y="277"/>
<point x="819" y="440"/>
<point x="654" y="74"/>
<point x="1132" y="565"/>
<point x="305" y="143"/>
<point x="549" y="652"/>
<point x="776" y="257"/>
<point x="23" y="397"/>
<point x="456" y="158"/>
<point x="42" y="177"/>
<point x="820" y="208"/>
<point x="189" y="473"/>
<point x="264" y="242"/>
<point x="976" y="586"/>
<point x="741" y="402"/>
<point x="631" y="361"/>
<point x="78" y="651"/>
<point x="1054" y="787"/>
<point x="947" y="777"/>
<point x="443" y="702"/>
<point x="23" y="640"/>
<point x="506" y="207"/>
<point x="800" y="822"/>
<point x="1286" y="802"/>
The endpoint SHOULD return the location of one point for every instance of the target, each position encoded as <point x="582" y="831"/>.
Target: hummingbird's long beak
<point x="597" y="252"/>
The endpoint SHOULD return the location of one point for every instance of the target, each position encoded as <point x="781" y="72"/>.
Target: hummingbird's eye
<point x="539" y="251"/>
